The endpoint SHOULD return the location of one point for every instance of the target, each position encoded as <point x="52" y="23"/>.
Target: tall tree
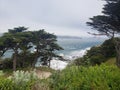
<point x="20" y="41"/>
<point x="49" y="53"/>
<point x="3" y="46"/>
<point x="13" y="40"/>
<point x="109" y="23"/>
<point x="24" y="47"/>
<point x="45" y="45"/>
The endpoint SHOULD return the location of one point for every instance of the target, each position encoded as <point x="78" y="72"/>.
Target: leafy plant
<point x="87" y="78"/>
<point x="6" y="84"/>
<point x="1" y="73"/>
<point x="23" y="80"/>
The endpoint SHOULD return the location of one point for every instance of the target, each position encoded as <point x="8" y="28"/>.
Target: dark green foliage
<point x="25" y="59"/>
<point x="95" y="55"/>
<point x="17" y="30"/>
<point x="83" y="61"/>
<point x="109" y="24"/>
<point x="87" y="78"/>
<point x="3" y="45"/>
<point x="6" y="63"/>
<point x="98" y="54"/>
<point x="14" y="40"/>
<point x="20" y="41"/>
<point x="108" y="48"/>
<point x="45" y="46"/>
<point x="7" y="84"/>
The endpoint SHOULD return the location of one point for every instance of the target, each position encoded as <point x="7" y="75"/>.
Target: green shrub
<point x="6" y="84"/>
<point x="1" y="73"/>
<point x="87" y="78"/>
<point x="98" y="54"/>
<point x="23" y="76"/>
<point x="23" y="80"/>
<point x="42" y="84"/>
<point x="97" y="59"/>
<point x="6" y="63"/>
<point x="108" y="48"/>
<point x="9" y="84"/>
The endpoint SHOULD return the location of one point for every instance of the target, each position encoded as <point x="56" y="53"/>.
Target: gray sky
<point x="62" y="17"/>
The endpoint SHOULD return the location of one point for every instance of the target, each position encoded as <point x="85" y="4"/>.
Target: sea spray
<point x="59" y="65"/>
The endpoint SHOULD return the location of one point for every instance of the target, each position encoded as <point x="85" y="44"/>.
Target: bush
<point x="24" y="79"/>
<point x="6" y="84"/>
<point x="98" y="54"/>
<point x="1" y="73"/>
<point x="108" y="48"/>
<point x="6" y="63"/>
<point x="23" y="76"/>
<point x="9" y="84"/>
<point x="87" y="78"/>
<point x="97" y="59"/>
<point x="20" y="80"/>
<point x="84" y="61"/>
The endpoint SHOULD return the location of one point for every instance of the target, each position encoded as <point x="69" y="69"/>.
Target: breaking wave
<point x="59" y="65"/>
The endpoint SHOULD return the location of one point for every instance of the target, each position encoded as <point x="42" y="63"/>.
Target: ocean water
<point x="74" y="48"/>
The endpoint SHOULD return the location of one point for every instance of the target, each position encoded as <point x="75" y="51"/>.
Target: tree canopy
<point x="20" y="41"/>
<point x="109" y="23"/>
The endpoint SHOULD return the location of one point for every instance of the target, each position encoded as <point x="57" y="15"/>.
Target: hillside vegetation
<point x="111" y="61"/>
<point x="97" y="54"/>
<point x="101" y="77"/>
<point x="84" y="74"/>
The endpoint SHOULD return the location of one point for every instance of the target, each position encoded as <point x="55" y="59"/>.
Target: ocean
<point x="74" y="48"/>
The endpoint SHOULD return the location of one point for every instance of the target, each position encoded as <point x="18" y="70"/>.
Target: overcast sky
<point x="61" y="17"/>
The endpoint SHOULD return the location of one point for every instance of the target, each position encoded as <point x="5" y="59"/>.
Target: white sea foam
<point x="77" y="54"/>
<point x="59" y="65"/>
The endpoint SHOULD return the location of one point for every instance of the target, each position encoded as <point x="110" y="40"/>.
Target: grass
<point x="111" y="61"/>
<point x="9" y="72"/>
<point x="46" y="69"/>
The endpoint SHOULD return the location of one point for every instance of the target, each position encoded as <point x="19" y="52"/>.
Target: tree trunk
<point x="34" y="62"/>
<point x="15" y="61"/>
<point x="23" y="61"/>
<point x="117" y="47"/>
<point x="36" y="58"/>
<point x="118" y="55"/>
<point x="49" y="63"/>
